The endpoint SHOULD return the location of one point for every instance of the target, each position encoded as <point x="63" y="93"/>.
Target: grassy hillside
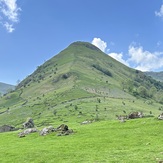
<point x="137" y="141"/>
<point x="4" y="88"/>
<point x="79" y="83"/>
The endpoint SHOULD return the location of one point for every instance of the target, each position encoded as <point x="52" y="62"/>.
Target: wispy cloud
<point x="9" y="14"/>
<point x="9" y="27"/>
<point x="99" y="43"/>
<point x="160" y="12"/>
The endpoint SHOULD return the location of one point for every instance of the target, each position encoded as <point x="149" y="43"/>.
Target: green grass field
<point x="137" y="141"/>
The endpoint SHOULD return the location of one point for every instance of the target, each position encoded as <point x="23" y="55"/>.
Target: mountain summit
<point x="85" y="44"/>
<point x="80" y="74"/>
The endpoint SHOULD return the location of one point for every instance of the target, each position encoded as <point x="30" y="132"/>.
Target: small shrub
<point x="76" y="107"/>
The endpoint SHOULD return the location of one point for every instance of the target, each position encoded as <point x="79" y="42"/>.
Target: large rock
<point x="29" y="123"/>
<point x="26" y="132"/>
<point x="160" y="117"/>
<point x="64" y="130"/>
<point x="135" y="115"/>
<point x="62" y="127"/>
<point x="6" y="128"/>
<point x="47" y="130"/>
<point x="29" y="130"/>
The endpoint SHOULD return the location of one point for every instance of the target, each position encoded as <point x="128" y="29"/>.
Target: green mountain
<point x="156" y="75"/>
<point x="4" y="88"/>
<point x="80" y="83"/>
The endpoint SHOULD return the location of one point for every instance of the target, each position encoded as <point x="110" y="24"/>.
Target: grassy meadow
<point x="137" y="141"/>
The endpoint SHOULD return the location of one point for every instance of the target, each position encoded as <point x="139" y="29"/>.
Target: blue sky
<point x="33" y="31"/>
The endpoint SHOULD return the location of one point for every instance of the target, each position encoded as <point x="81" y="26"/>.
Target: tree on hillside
<point x="159" y="96"/>
<point x="142" y="91"/>
<point x="152" y="91"/>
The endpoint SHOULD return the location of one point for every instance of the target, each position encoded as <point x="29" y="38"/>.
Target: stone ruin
<point x="160" y="117"/>
<point x="29" y="123"/>
<point x="7" y="128"/>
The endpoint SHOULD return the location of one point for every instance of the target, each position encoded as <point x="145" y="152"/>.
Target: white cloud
<point x="9" y="14"/>
<point x="159" y="13"/>
<point x="118" y="57"/>
<point x="145" y="60"/>
<point x="100" y="44"/>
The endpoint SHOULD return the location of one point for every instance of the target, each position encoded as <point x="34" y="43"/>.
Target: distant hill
<point x="79" y="83"/>
<point x="156" y="75"/>
<point x="4" y="88"/>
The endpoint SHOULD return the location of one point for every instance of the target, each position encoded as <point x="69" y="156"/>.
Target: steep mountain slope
<point x="79" y="81"/>
<point x="4" y="88"/>
<point x="81" y="65"/>
<point x="156" y="75"/>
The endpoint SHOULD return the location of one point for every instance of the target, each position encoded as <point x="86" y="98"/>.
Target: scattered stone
<point x="21" y="135"/>
<point x="64" y="133"/>
<point x="47" y="130"/>
<point x="86" y="122"/>
<point x="29" y="130"/>
<point x="26" y="132"/>
<point x="122" y="118"/>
